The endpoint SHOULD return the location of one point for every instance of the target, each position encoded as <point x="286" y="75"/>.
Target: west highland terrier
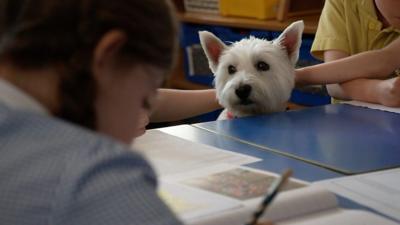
<point x="253" y="76"/>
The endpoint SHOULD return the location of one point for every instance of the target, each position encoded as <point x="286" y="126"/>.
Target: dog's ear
<point x="213" y="47"/>
<point x="290" y="39"/>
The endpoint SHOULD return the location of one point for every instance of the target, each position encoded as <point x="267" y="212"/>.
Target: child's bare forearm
<point x="366" y="90"/>
<point x="346" y="69"/>
<point x="372" y="64"/>
<point x="175" y="104"/>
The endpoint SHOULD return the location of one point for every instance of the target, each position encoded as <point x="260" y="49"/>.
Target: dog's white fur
<point x="270" y="86"/>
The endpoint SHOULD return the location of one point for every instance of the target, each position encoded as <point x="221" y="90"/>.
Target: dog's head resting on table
<point x="253" y="76"/>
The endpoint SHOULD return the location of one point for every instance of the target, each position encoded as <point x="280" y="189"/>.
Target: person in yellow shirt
<point x="347" y="28"/>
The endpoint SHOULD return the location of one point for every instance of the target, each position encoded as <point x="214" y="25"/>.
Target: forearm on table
<point x="180" y="104"/>
<point x="362" y="65"/>
<point x="366" y="90"/>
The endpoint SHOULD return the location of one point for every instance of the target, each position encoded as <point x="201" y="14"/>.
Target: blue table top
<point x="343" y="138"/>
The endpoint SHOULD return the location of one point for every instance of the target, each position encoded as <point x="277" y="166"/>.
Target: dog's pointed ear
<point x="213" y="48"/>
<point x="290" y="39"/>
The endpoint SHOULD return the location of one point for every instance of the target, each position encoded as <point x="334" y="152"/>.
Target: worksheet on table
<point x="378" y="190"/>
<point x="170" y="155"/>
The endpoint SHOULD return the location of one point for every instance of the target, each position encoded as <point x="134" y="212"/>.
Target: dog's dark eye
<point x="262" y="66"/>
<point x="231" y="69"/>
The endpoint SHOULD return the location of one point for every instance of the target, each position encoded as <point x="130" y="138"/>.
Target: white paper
<point x="338" y="217"/>
<point x="372" y="106"/>
<point x="379" y="190"/>
<point x="171" y="155"/>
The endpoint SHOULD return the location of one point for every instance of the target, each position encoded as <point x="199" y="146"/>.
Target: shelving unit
<point x="310" y="21"/>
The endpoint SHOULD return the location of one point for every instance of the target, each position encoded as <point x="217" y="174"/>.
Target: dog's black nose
<point x="243" y="91"/>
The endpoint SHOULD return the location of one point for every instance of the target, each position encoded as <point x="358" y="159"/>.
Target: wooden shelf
<point x="310" y="21"/>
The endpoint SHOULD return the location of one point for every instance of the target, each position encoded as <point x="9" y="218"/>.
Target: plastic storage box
<point x="260" y="9"/>
<point x="310" y="96"/>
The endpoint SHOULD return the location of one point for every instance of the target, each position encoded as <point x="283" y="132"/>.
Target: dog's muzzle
<point x="243" y="92"/>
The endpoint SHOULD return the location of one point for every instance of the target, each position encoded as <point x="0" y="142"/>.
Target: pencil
<point x="273" y="190"/>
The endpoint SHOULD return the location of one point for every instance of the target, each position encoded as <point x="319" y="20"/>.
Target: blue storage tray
<point x="309" y="99"/>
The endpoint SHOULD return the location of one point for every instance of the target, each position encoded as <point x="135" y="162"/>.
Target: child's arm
<point x="371" y="64"/>
<point x="175" y="105"/>
<point x="377" y="64"/>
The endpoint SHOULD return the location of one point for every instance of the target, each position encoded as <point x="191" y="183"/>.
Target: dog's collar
<point x="230" y="115"/>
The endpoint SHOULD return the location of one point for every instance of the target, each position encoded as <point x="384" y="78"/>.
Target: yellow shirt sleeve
<point x="331" y="33"/>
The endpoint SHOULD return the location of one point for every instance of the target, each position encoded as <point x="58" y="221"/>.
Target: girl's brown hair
<point x="40" y="33"/>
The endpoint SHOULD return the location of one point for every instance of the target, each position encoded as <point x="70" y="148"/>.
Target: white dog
<point x="253" y="76"/>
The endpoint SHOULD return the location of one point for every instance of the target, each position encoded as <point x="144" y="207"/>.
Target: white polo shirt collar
<point x="15" y="98"/>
